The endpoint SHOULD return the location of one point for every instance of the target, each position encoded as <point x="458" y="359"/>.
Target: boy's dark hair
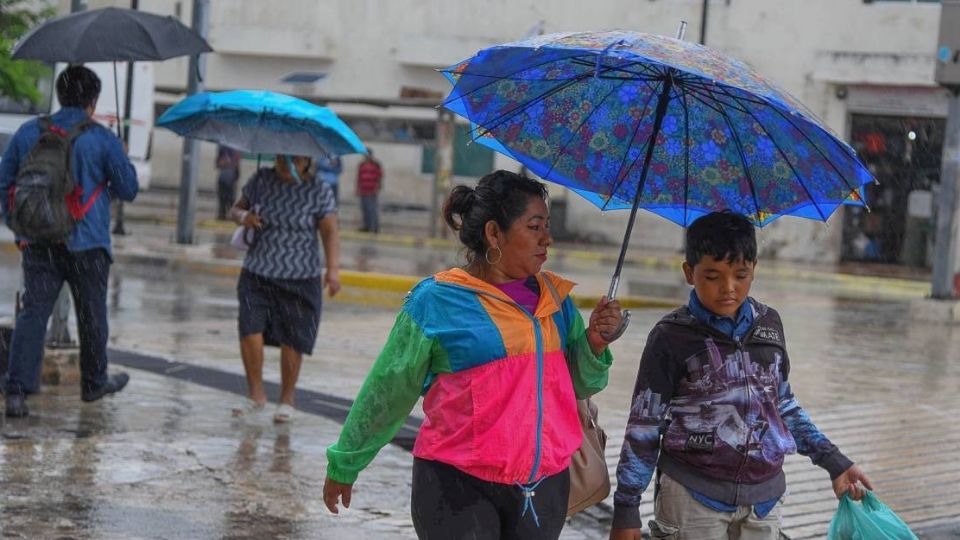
<point x="77" y="86"/>
<point x="501" y="196"/>
<point x="725" y="236"/>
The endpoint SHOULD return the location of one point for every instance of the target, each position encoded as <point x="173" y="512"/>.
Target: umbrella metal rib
<point x="792" y="168"/>
<point x="817" y="148"/>
<point x="662" y="103"/>
<point x="621" y="172"/>
<point x="574" y="132"/>
<point x="745" y="166"/>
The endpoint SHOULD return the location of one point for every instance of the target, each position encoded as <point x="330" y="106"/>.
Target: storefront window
<point x="904" y="155"/>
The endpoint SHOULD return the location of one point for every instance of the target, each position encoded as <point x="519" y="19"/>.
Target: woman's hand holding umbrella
<point x="604" y="321"/>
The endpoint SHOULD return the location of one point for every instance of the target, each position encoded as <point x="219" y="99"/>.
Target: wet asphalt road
<point x="881" y="385"/>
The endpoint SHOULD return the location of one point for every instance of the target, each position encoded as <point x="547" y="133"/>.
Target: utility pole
<point x="945" y="249"/>
<point x="948" y="75"/>
<point x="186" y="211"/>
<point x="442" y="167"/>
<point x="704" y="12"/>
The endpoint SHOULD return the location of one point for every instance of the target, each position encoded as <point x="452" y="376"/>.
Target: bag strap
<point x="556" y="295"/>
<point x="591" y="407"/>
<point x="77" y="210"/>
<point x="257" y="187"/>
<point x="556" y="298"/>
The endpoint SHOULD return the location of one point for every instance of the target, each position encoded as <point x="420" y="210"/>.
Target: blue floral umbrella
<point x="263" y="122"/>
<point x="631" y="120"/>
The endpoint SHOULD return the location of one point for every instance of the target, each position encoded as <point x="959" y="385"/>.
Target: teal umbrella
<point x="262" y="122"/>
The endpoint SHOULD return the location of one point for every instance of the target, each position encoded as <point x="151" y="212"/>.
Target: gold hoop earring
<point x="486" y="255"/>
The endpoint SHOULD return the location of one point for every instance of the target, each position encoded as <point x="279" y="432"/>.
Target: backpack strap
<point x="77" y="209"/>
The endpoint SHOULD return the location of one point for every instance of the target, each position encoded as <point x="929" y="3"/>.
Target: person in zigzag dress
<point x="281" y="285"/>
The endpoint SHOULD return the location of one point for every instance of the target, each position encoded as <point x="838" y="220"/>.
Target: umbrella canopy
<point x="109" y="35"/>
<point x="637" y="120"/>
<point x="260" y="121"/>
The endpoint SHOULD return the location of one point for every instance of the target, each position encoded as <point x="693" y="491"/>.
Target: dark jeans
<point x="449" y="504"/>
<point x="371" y="213"/>
<point x="45" y="268"/>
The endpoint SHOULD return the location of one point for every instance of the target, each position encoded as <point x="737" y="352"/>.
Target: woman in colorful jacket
<point x="500" y="354"/>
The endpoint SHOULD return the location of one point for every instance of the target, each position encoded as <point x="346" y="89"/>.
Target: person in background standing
<point x="328" y="170"/>
<point x="228" y="173"/>
<point x="369" y="182"/>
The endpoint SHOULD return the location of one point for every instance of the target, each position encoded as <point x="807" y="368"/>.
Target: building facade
<point x="865" y="67"/>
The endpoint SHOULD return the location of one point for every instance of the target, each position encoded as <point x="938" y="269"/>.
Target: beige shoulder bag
<point x="589" y="477"/>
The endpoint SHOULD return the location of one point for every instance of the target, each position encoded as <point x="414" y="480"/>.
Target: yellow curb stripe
<point x="378" y="281"/>
<point x="855" y="282"/>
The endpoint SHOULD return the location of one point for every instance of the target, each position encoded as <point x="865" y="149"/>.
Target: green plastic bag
<point x="868" y="519"/>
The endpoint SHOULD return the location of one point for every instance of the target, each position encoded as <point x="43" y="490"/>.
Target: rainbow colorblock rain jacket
<point x="498" y="383"/>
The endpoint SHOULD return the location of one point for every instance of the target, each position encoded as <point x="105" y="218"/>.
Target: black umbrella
<point x="109" y="35"/>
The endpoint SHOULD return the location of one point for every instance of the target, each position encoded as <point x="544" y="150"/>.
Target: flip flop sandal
<point x="284" y="414"/>
<point x="247" y="407"/>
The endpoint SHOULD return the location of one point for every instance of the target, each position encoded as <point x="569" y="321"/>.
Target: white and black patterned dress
<point x="280" y="288"/>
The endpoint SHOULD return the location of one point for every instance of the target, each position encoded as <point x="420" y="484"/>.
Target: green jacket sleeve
<point x="588" y="371"/>
<point x="385" y="400"/>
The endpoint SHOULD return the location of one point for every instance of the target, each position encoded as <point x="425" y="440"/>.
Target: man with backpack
<point x="57" y="178"/>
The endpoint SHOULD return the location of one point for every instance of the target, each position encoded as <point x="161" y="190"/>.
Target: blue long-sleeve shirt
<point x="98" y="158"/>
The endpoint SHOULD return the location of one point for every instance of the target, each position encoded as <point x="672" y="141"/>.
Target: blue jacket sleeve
<point x="120" y="174"/>
<point x="641" y="442"/>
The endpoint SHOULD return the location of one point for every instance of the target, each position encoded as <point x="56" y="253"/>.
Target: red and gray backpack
<point x="45" y="201"/>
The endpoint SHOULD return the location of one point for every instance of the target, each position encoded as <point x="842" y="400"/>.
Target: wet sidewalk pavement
<point x="163" y="459"/>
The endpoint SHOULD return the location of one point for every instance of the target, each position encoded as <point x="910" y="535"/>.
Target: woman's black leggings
<point x="448" y="504"/>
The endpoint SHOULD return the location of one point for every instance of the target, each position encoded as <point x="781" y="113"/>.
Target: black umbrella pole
<point x="116" y="97"/>
<point x="662" y="103"/>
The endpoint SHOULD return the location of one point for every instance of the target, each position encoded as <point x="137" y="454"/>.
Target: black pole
<point x="127" y="105"/>
<point x="116" y="99"/>
<point x="703" y="21"/>
<point x="662" y="103"/>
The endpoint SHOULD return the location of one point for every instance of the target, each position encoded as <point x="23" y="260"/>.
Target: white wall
<point x="372" y="48"/>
